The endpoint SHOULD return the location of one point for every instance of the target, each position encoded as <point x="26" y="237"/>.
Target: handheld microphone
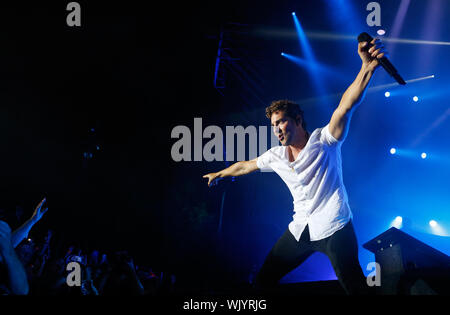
<point x="385" y="63"/>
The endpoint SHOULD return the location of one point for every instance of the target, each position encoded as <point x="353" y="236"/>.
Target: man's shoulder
<point x="277" y="150"/>
<point x="315" y="135"/>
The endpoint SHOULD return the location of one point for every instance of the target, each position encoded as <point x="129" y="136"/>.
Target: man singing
<point x="311" y="167"/>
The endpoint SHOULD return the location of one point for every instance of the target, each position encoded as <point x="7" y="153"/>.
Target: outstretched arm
<point x="22" y="232"/>
<point x="237" y="169"/>
<point x="354" y="94"/>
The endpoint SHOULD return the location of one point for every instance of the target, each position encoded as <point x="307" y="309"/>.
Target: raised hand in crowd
<point x="22" y="232"/>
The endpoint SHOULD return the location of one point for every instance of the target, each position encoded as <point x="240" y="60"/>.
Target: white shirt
<point x="315" y="182"/>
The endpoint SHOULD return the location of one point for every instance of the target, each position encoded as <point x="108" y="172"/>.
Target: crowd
<point x="39" y="268"/>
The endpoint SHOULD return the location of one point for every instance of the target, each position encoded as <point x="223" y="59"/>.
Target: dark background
<point x="121" y="82"/>
<point x="133" y="71"/>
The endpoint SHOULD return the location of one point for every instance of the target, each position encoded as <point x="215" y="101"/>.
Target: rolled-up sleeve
<point x="327" y="138"/>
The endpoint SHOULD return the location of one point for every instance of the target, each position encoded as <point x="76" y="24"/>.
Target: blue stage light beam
<point x="304" y="43"/>
<point x="433" y="20"/>
<point x="310" y="58"/>
<point x="408" y="153"/>
<point x="404" y="153"/>
<point x="267" y="32"/>
<point x="396" y="85"/>
<point x="351" y="37"/>
<point x="344" y="16"/>
<point x="336" y="96"/>
<point x="317" y="68"/>
<point x="437" y="229"/>
<point x="398" y="23"/>
<point x="438" y="122"/>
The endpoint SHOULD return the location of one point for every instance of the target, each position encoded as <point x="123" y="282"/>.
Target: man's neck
<point x="295" y="149"/>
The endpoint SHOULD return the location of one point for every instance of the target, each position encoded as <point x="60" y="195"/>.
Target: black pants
<point x="341" y="248"/>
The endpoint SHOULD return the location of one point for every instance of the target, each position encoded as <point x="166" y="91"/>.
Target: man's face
<point x="284" y="127"/>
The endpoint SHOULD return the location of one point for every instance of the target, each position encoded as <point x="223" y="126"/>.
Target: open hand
<point x="213" y="178"/>
<point x="38" y="211"/>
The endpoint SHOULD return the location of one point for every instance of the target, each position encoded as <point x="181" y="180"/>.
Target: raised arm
<point x="22" y="232"/>
<point x="354" y="94"/>
<point x="237" y="169"/>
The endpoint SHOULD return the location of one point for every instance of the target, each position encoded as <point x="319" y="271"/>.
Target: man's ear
<point x="298" y="120"/>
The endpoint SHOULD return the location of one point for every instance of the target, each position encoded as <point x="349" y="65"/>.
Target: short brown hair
<point x="291" y="109"/>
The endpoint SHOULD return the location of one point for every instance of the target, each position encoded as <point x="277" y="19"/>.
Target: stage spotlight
<point x="381" y="32"/>
<point x="397" y="223"/>
<point x="282" y="53"/>
<point x="415" y="98"/>
<point x="393" y="150"/>
<point x="387" y="94"/>
<point x="437" y="229"/>
<point x="293" y="13"/>
<point x="423" y="155"/>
